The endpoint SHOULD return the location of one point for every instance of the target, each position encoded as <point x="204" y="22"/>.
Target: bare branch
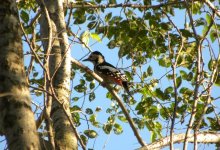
<point x="208" y="88"/>
<point x="174" y="66"/>
<point x="212" y="7"/>
<point x="88" y="5"/>
<point x="198" y="75"/>
<point x="203" y="137"/>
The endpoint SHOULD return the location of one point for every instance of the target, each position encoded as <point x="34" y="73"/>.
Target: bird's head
<point x="95" y="57"/>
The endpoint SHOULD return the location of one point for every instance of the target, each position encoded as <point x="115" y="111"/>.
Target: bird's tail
<point x="126" y="87"/>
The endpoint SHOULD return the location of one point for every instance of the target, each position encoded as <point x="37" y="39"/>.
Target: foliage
<point x="161" y="49"/>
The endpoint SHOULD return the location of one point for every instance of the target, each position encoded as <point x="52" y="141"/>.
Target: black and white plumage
<point x="109" y="73"/>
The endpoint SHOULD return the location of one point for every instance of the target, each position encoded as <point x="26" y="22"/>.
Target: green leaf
<point x="92" y="85"/>
<point x="88" y="77"/>
<point x="196" y="7"/>
<point x="112" y="44"/>
<point x="139" y="122"/>
<point x="80" y="88"/>
<point x="186" y="91"/>
<point x="205" y="29"/>
<point x="217" y="82"/>
<point x="93" y="121"/>
<point x="213" y="124"/>
<point x="108" y="17"/>
<point x="209" y="110"/>
<point x="95" y="37"/>
<point x="183" y="74"/>
<point x="84" y="139"/>
<point x="98" y="1"/>
<point x="168" y="90"/>
<point x="24" y="16"/>
<point x="89" y="111"/>
<point x="82" y="81"/>
<point x="150" y="71"/>
<point x="111" y="119"/>
<point x="91" y="17"/>
<point x="75" y="99"/>
<point x="159" y="93"/>
<point x="117" y="128"/>
<point x="107" y="128"/>
<point x="178" y="81"/>
<point x="200" y="22"/>
<point x="208" y="19"/>
<point x="92" y="118"/>
<point x="75" y="108"/>
<point x="76" y="118"/>
<point x="79" y="16"/>
<point x="153" y="136"/>
<point x="153" y="112"/>
<point x="213" y="35"/>
<point x="190" y="76"/>
<point x="91" y="133"/>
<point x="112" y="2"/>
<point x="164" y="114"/>
<point x="211" y="64"/>
<point x="91" y="96"/>
<point x="98" y="109"/>
<point x="85" y="38"/>
<point x="92" y="25"/>
<point x="165" y="62"/>
<point x="122" y="118"/>
<point x="186" y="33"/>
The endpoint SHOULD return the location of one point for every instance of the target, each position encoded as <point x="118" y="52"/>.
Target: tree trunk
<point x="59" y="63"/>
<point x="16" y="117"/>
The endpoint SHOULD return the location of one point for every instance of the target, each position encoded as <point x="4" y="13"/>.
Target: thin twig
<point x="174" y="66"/>
<point x="211" y="83"/>
<point x="198" y="75"/>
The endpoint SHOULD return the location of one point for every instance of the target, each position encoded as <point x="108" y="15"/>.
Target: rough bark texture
<point x="16" y="117"/>
<point x="59" y="58"/>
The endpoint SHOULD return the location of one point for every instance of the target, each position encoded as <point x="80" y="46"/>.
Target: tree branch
<point x="122" y="106"/>
<point x="89" y="5"/>
<point x="212" y="7"/>
<point x="202" y="137"/>
<point x="211" y="82"/>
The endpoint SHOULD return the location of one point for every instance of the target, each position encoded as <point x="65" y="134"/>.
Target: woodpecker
<point x="109" y="73"/>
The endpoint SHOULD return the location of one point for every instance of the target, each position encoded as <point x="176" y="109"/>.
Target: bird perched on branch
<point x="109" y="73"/>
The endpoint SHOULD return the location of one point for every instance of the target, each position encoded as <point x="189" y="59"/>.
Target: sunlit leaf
<point x="117" y="128"/>
<point x="95" y="37"/>
<point x="85" y="38"/>
<point x="107" y="128"/>
<point x="91" y="133"/>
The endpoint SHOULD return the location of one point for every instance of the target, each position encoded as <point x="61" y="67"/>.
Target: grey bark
<point x="60" y="58"/>
<point x="16" y="117"/>
<point x="203" y="137"/>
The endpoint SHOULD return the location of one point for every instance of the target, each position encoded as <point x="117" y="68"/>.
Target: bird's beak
<point x="87" y="59"/>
